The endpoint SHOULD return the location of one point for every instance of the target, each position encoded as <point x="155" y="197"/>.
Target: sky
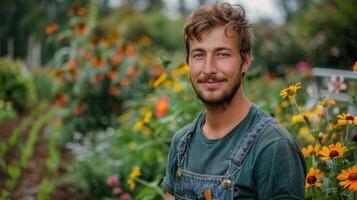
<point x="256" y="9"/>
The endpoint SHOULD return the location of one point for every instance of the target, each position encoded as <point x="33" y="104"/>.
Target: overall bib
<point x="192" y="186"/>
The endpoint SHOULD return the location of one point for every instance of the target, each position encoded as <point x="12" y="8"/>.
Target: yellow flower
<point x="182" y="69"/>
<point x="333" y="151"/>
<point x="332" y="102"/>
<point x="348" y="178"/>
<point x="147" y="117"/>
<point x="314" y="178"/>
<point x="290" y="91"/>
<point x="346" y="119"/>
<point x="324" y="102"/>
<point x="310" y="150"/>
<point x="158" y="80"/>
<point x="178" y="87"/>
<point x="355" y="67"/>
<point x="305" y="133"/>
<point x="135" y="172"/>
<point x="124" y="117"/>
<point x="297" y="118"/>
<point x="139" y="124"/>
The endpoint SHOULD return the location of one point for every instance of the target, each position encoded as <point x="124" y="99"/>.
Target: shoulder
<point x="181" y="134"/>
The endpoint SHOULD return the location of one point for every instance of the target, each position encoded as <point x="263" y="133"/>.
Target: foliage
<point x="6" y="110"/>
<point x="16" y="84"/>
<point x="96" y="72"/>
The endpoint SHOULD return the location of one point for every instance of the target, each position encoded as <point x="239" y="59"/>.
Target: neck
<point x="221" y="120"/>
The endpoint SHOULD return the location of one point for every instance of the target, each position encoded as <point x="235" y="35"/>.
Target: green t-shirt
<point x="273" y="169"/>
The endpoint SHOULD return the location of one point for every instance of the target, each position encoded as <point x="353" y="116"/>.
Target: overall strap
<point x="247" y="142"/>
<point x="184" y="142"/>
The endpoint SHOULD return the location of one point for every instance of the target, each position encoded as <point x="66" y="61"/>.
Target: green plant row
<point x="16" y="133"/>
<point x="14" y="169"/>
<point x="52" y="162"/>
<point x="27" y="151"/>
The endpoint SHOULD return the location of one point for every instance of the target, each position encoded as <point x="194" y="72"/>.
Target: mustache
<point x="210" y="77"/>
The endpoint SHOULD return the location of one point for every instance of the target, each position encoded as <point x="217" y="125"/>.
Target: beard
<point x="224" y="98"/>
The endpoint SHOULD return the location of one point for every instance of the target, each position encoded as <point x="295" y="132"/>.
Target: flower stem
<point x="153" y="186"/>
<point x="347" y="134"/>
<point x="293" y="100"/>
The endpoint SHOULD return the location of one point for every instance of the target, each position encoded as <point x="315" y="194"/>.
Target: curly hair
<point x="232" y="17"/>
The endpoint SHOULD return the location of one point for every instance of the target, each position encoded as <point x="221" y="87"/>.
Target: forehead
<point x="217" y="37"/>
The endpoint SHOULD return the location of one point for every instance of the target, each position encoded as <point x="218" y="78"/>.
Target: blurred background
<point x="91" y="92"/>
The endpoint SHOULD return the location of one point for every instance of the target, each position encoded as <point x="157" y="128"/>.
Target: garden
<point x="93" y="118"/>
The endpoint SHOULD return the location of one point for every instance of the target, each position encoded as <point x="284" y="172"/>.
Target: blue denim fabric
<point x="191" y="186"/>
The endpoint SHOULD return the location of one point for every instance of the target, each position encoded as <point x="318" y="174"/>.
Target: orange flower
<point x="97" y="61"/>
<point x="333" y="151"/>
<point x="162" y="106"/>
<point x="348" y="178"/>
<point x="112" y="74"/>
<point x="72" y="64"/>
<point x="354" y="67"/>
<point x="78" y="110"/>
<point x="51" y="28"/>
<point x="113" y="90"/>
<point x="310" y="150"/>
<point x="130" y="52"/>
<point x="97" y="78"/>
<point x="60" y="99"/>
<point x="124" y="81"/>
<point x="313" y="178"/>
<point x="132" y="71"/>
<point x="81" y="29"/>
<point x="346" y="119"/>
<point x="116" y="59"/>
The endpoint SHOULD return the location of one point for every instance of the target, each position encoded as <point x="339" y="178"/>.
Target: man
<point x="233" y="150"/>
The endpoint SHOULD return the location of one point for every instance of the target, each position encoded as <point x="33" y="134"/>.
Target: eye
<point x="198" y="55"/>
<point x="222" y="55"/>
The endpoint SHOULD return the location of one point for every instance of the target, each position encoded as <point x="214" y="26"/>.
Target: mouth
<point x="211" y="84"/>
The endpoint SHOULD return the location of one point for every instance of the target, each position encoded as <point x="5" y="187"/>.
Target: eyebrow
<point x="216" y="49"/>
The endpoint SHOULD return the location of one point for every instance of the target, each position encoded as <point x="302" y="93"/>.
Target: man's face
<point x="216" y="67"/>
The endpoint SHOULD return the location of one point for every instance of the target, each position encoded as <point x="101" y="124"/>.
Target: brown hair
<point x="206" y="18"/>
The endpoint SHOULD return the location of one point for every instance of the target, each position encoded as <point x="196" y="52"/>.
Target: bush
<point x="16" y="84"/>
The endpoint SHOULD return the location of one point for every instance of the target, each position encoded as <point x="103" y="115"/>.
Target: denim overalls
<point x="190" y="185"/>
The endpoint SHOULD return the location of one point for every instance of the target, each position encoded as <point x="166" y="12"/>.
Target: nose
<point x="210" y="65"/>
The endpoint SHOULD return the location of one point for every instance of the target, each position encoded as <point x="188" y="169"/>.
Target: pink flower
<point x="336" y="84"/>
<point x="125" y="196"/>
<point x="302" y="65"/>
<point x="112" y="181"/>
<point x="116" y="191"/>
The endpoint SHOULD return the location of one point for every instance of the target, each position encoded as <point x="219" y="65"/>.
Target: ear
<point x="247" y="61"/>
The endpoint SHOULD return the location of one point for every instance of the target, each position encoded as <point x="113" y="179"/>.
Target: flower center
<point x="352" y="177"/>
<point x="349" y="118"/>
<point x="311" y="180"/>
<point x="334" y="154"/>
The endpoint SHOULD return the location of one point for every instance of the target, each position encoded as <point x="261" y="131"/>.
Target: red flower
<point x="162" y="105"/>
<point x="112" y="181"/>
<point x="61" y="99"/>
